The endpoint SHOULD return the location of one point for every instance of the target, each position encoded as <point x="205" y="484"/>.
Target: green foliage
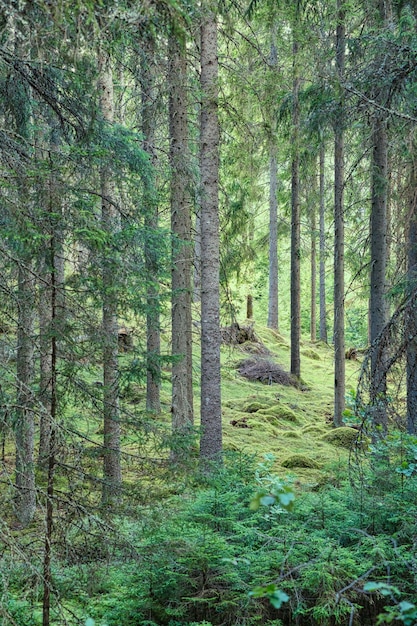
<point x="274" y="595"/>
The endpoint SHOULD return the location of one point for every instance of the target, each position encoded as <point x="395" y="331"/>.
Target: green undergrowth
<point x="195" y="558"/>
<point x="189" y="549"/>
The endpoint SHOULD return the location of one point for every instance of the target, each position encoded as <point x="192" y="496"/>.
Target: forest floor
<point x="186" y="549"/>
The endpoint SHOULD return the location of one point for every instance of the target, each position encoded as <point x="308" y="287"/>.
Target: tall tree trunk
<point x="273" y="310"/>
<point x="109" y="219"/>
<point x="211" y="415"/>
<point x="52" y="277"/>
<point x="55" y="300"/>
<point x="412" y="321"/>
<point x="339" y="231"/>
<point x="182" y="397"/>
<point x="153" y="337"/>
<point x="322" y="227"/>
<point x="25" y="503"/>
<point x="378" y="303"/>
<point x="378" y="307"/>
<point x="273" y="242"/>
<point x="295" y="216"/>
<point x="313" y="258"/>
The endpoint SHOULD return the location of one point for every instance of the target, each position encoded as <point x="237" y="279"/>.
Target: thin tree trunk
<point x="25" y="502"/>
<point x="111" y="445"/>
<point x="182" y="398"/>
<point x="55" y="319"/>
<point x="295" y="219"/>
<point x="322" y="271"/>
<point x="378" y="307"/>
<point x="273" y="302"/>
<point x="313" y="259"/>
<point x="339" y="233"/>
<point x="153" y="337"/>
<point x="52" y="276"/>
<point x="273" y="242"/>
<point x="412" y="321"/>
<point x="211" y="415"/>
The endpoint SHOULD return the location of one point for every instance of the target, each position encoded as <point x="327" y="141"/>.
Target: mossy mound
<point x="343" y="436"/>
<point x="253" y="407"/>
<point x="291" y="434"/>
<point x="266" y="426"/>
<point x="300" y="460"/>
<point x="311" y="354"/>
<point x="279" y="412"/>
<point x="313" y="430"/>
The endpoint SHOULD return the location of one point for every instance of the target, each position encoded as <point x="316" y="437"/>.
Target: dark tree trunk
<point x="295" y="218"/>
<point x="412" y="321"/>
<point x="339" y="232"/>
<point x="153" y="338"/>
<point x="55" y="302"/>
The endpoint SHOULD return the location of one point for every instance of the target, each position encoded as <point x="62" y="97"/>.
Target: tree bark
<point x="109" y="220"/>
<point x="25" y="502"/>
<point x="273" y="241"/>
<point x="339" y="231"/>
<point x="153" y="337"/>
<point x="322" y="270"/>
<point x="182" y="396"/>
<point x="411" y="329"/>
<point x="313" y="258"/>
<point x="295" y="218"/>
<point x="378" y="303"/>
<point x="211" y="415"/>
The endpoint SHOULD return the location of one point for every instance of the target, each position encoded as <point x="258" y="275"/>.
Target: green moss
<point x="264" y="426"/>
<point x="311" y="354"/>
<point x="290" y="434"/>
<point x="300" y="460"/>
<point x="343" y="436"/>
<point x="280" y="412"/>
<point x="311" y="429"/>
<point x="253" y="407"/>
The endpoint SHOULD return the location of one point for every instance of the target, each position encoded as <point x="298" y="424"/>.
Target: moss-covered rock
<point x="300" y="460"/>
<point x="343" y="436"/>
<point x="279" y="412"/>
